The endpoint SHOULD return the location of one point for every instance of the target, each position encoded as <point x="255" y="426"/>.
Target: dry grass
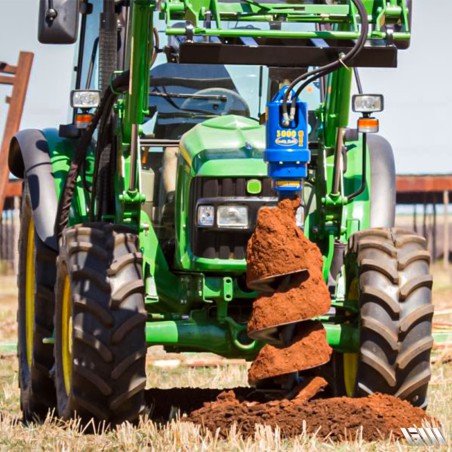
<point x="54" y="435"/>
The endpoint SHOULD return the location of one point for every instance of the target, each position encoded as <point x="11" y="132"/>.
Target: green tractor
<point x="136" y="215"/>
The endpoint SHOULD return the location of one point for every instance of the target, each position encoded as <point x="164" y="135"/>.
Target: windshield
<point x="183" y="95"/>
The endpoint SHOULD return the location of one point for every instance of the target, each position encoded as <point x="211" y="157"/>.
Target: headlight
<point x="85" y="98"/>
<point x="232" y="217"/>
<point x="299" y="217"/>
<point x="206" y="215"/>
<point x="367" y="103"/>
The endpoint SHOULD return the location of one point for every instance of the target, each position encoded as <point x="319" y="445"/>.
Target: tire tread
<point x="392" y="268"/>
<point x="109" y="316"/>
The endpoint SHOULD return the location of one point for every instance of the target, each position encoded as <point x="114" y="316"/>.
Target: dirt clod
<point x="308" y="349"/>
<point x="311" y="389"/>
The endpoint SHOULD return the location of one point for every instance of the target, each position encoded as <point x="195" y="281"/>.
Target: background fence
<point x="9" y="236"/>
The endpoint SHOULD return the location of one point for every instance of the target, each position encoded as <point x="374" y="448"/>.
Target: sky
<point x="417" y="94"/>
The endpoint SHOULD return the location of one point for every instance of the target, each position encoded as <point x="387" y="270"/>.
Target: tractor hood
<point x="232" y="138"/>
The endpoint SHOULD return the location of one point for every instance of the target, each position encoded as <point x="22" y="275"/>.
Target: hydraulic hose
<point x="328" y="68"/>
<point x="363" y="171"/>
<point x="118" y="85"/>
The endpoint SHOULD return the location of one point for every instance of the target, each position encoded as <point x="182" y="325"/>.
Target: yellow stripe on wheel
<point x="66" y="334"/>
<point x="350" y="371"/>
<point x="350" y="360"/>
<point x="30" y="292"/>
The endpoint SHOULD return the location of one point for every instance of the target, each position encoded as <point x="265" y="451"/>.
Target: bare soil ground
<point x="375" y="418"/>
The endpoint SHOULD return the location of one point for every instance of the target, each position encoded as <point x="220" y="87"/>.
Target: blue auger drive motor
<point x="287" y="152"/>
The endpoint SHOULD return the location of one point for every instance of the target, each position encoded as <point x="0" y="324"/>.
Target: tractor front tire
<point x="36" y="279"/>
<point x="100" y="345"/>
<point x="387" y="273"/>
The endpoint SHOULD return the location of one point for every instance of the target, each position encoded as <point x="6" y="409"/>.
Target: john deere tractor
<point x="188" y="117"/>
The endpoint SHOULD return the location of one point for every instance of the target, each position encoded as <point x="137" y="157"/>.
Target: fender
<point x="30" y="157"/>
<point x="382" y="178"/>
<point x="383" y="182"/>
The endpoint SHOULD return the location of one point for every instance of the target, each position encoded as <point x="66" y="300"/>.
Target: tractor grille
<point x="218" y="243"/>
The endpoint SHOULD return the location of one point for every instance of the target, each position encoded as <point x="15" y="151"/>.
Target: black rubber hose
<point x="363" y="171"/>
<point x="101" y="143"/>
<point x="330" y="67"/>
<point x="118" y="85"/>
<point x="155" y="46"/>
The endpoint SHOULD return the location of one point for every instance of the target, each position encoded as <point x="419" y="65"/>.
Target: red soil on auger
<point x="308" y="349"/>
<point x="279" y="247"/>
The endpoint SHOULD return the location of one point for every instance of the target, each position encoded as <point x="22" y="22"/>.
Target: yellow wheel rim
<point x="30" y="292"/>
<point x="350" y="371"/>
<point x="350" y="360"/>
<point x="66" y="334"/>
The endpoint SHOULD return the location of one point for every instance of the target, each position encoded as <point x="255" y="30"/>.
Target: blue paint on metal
<point x="287" y="153"/>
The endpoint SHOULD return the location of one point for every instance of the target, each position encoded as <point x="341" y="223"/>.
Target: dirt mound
<point x="339" y="418"/>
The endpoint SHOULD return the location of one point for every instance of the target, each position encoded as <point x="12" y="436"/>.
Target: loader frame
<point x="176" y="296"/>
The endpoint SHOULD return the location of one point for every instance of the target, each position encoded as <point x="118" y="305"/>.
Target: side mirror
<point x="58" y="21"/>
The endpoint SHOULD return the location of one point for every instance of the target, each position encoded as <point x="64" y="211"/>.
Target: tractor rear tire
<point x="36" y="279"/>
<point x="387" y="272"/>
<point x="100" y="345"/>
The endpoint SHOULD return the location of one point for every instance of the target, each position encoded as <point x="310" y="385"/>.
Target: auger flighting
<point x="283" y="265"/>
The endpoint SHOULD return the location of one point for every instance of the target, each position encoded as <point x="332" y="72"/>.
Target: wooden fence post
<point x="446" y="229"/>
<point x="17" y="76"/>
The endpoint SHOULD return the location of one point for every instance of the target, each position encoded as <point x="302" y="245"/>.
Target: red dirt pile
<point x="339" y="418"/>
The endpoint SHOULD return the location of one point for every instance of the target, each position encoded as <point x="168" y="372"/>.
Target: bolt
<point x="51" y="14"/>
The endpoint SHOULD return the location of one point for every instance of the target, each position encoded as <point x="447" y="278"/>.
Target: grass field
<point x="54" y="435"/>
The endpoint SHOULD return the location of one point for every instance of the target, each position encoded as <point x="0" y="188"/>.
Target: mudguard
<point x="383" y="177"/>
<point x="29" y="157"/>
<point x="381" y="181"/>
